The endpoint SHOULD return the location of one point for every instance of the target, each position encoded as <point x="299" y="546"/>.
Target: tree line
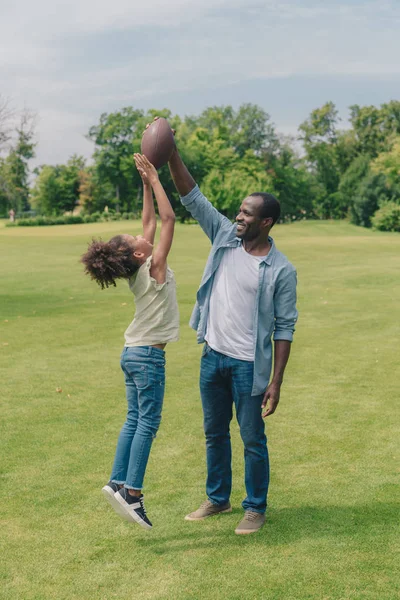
<point x="326" y="171"/>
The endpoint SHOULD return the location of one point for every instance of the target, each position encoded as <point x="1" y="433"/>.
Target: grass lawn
<point x="332" y="526"/>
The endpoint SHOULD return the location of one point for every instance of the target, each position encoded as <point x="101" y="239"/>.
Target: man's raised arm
<point x="208" y="217"/>
<point x="181" y="177"/>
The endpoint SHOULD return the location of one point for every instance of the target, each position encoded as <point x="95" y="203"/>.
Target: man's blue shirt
<point x="276" y="312"/>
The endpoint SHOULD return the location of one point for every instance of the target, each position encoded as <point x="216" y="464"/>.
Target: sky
<point x="70" y="61"/>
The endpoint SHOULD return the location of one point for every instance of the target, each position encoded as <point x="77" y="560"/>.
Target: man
<point x="247" y="293"/>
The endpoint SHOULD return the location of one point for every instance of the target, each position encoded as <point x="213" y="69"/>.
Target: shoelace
<point x="206" y="504"/>
<point x="142" y="505"/>
<point x="251" y="516"/>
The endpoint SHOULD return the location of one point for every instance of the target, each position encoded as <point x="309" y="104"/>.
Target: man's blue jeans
<point x="224" y="381"/>
<point x="144" y="370"/>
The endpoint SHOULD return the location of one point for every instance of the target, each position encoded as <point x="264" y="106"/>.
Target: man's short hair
<point x="270" y="206"/>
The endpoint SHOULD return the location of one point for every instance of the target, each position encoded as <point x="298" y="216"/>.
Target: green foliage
<point x="228" y="187"/>
<point x="388" y="163"/>
<point x="230" y="153"/>
<point x="14" y="168"/>
<point x="320" y="139"/>
<point x="42" y="220"/>
<point x="372" y="192"/>
<point x="56" y="188"/>
<point x="374" y="127"/>
<point x="387" y="218"/>
<point x="294" y="185"/>
<point x="349" y="185"/>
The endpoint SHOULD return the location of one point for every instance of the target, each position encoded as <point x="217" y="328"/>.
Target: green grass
<point x="332" y="525"/>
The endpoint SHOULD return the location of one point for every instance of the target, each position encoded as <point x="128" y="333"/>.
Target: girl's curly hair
<point x="107" y="261"/>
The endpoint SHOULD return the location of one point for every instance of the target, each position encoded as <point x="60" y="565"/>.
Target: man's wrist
<point x="277" y="381"/>
<point x="175" y="155"/>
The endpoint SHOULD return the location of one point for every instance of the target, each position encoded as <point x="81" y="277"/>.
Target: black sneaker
<point x="109" y="491"/>
<point x="133" y="507"/>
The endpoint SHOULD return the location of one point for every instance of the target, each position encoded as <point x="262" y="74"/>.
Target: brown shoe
<point x="208" y="509"/>
<point x="251" y="522"/>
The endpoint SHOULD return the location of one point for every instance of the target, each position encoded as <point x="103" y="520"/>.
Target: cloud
<point x="72" y="60"/>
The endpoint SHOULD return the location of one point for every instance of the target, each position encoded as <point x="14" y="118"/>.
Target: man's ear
<point x="138" y="255"/>
<point x="268" y="221"/>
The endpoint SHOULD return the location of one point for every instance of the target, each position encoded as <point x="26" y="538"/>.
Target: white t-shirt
<point x="157" y="317"/>
<point x="232" y="304"/>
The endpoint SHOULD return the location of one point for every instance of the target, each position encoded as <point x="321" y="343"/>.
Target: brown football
<point x="158" y="142"/>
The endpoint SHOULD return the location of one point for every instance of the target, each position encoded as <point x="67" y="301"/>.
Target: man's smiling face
<point x="249" y="223"/>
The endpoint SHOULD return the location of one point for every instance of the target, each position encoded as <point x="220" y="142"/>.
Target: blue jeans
<point x="144" y="370"/>
<point x="224" y="381"/>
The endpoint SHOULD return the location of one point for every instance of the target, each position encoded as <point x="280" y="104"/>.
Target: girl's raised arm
<point x="149" y="220"/>
<point x="167" y="217"/>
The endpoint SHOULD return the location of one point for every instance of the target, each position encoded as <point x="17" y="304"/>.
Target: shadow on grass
<point x="285" y="526"/>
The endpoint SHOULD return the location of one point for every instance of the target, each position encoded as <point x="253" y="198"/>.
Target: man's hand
<point x="181" y="177"/>
<point x="155" y="119"/>
<point x="271" y="397"/>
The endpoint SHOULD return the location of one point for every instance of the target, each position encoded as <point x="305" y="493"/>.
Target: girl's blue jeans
<point x="144" y="370"/>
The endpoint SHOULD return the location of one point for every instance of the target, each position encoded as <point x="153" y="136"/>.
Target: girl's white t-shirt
<point x="157" y="316"/>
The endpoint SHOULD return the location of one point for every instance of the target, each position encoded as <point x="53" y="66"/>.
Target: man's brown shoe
<point x="208" y="509"/>
<point x="251" y="522"/>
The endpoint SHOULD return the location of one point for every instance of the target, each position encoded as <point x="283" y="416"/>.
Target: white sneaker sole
<point x="109" y="495"/>
<point x="190" y="518"/>
<point x="128" y="513"/>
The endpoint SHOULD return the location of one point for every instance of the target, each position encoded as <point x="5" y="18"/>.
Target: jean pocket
<point x="138" y="373"/>
<point x="206" y="349"/>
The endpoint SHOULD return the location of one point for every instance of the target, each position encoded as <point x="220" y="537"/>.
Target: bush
<point x="129" y="216"/>
<point x="89" y="219"/>
<point x="95" y="217"/>
<point x="387" y="218"/>
<point x="42" y="221"/>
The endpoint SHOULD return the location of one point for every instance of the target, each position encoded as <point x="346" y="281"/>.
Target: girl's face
<point x="142" y="249"/>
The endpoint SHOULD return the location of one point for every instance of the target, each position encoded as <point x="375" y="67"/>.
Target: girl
<point x="155" y="324"/>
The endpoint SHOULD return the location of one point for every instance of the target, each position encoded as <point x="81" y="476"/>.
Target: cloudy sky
<point x="69" y="61"/>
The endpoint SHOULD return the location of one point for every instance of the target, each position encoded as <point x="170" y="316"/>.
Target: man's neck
<point x="257" y="247"/>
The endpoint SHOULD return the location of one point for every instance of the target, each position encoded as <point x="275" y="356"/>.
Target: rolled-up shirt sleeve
<point x="201" y="209"/>
<point x="285" y="306"/>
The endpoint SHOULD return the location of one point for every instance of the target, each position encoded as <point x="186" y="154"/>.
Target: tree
<point x="295" y="186"/>
<point x="320" y="136"/>
<point x="375" y="127"/>
<point x="114" y="139"/>
<point x="14" y="169"/>
<point x="56" y="188"/>
<point x="94" y="195"/>
<point x="117" y="137"/>
<point x="388" y="163"/>
<point x="17" y="161"/>
<point x="350" y="183"/>
<point x="226" y="188"/>
<point x="372" y="193"/>
<point x="249" y="128"/>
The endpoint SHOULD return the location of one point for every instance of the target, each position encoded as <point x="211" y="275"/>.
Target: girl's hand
<point x="143" y="175"/>
<point x="147" y="171"/>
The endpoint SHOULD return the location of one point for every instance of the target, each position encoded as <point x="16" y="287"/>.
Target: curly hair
<point x="107" y="261"/>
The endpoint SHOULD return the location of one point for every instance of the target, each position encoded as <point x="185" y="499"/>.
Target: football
<point x="158" y="142"/>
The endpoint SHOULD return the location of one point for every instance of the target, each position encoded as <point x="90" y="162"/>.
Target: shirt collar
<point x="235" y="242"/>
